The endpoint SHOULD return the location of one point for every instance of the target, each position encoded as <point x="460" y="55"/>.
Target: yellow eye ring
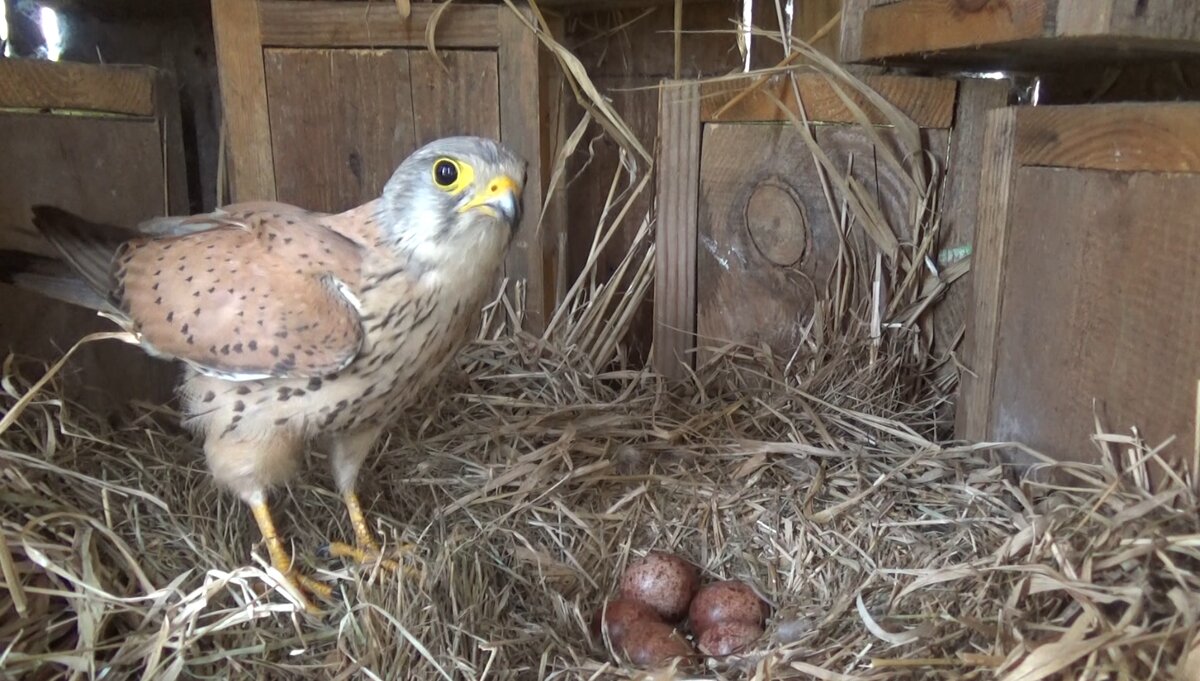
<point x="452" y="176"/>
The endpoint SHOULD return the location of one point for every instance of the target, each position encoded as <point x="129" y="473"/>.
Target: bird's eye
<point x="445" y="173"/>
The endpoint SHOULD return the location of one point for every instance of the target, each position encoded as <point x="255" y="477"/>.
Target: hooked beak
<point x="502" y="199"/>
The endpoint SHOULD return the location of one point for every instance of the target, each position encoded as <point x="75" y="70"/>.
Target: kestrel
<point x="297" y="327"/>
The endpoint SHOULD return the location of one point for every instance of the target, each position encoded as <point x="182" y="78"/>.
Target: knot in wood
<point x="776" y="223"/>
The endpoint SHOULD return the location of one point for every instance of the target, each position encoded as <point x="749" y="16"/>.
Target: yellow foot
<point x="370" y="554"/>
<point x="367" y="551"/>
<point x="301" y="583"/>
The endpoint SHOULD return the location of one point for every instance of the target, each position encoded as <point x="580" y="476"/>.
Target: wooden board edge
<point x="41" y="84"/>
<point x="1127" y="136"/>
<point x="929" y="102"/>
<point x="243" y="86"/>
<point x="521" y="113"/>
<point x="170" y="128"/>
<point x="960" y="200"/>
<point x="375" y="24"/>
<point x="894" y="30"/>
<point x="678" y="186"/>
<point x="850" y="41"/>
<point x="986" y="295"/>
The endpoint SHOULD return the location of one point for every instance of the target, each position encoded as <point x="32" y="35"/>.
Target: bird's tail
<point x="49" y="277"/>
<point x="85" y="277"/>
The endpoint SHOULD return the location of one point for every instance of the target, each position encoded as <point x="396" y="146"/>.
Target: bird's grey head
<point x="455" y="192"/>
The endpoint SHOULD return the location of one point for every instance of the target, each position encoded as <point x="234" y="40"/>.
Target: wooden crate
<point x="103" y="141"/>
<point x="1086" y="289"/>
<point x="745" y="236"/>
<point x="1045" y="34"/>
<point x="323" y="100"/>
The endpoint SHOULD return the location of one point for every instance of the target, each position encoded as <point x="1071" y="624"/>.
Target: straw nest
<point x="546" y="464"/>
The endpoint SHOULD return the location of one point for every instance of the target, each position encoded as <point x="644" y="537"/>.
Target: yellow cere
<point x="466" y="175"/>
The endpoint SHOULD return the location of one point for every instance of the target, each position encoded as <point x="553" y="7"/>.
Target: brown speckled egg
<point x="662" y="581"/>
<point x="653" y="643"/>
<point x="730" y="601"/>
<point x="727" y="638"/>
<point x="617" y="616"/>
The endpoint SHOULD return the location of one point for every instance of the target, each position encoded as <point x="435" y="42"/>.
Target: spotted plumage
<point x="295" y="326"/>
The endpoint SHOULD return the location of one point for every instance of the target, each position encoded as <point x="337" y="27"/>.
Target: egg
<point x="617" y="616"/>
<point x="729" y="637"/>
<point x="730" y="601"/>
<point x="654" y="643"/>
<point x="663" y="581"/>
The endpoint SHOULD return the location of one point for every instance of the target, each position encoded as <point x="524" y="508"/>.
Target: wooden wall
<point x="629" y="51"/>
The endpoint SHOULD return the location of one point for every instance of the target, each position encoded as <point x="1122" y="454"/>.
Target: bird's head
<point x="456" y="193"/>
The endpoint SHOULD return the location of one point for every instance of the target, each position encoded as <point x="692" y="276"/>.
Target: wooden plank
<point x="678" y="179"/>
<point x="335" y="152"/>
<point x="1101" y="307"/>
<point x="461" y="101"/>
<point x="521" y="115"/>
<point x="170" y="129"/>
<point x="960" y="202"/>
<point x="767" y="240"/>
<point x="850" y="43"/>
<point x="928" y="101"/>
<point x="39" y="84"/>
<point x="109" y="169"/>
<point x="988" y="264"/>
<point x="244" y="99"/>
<point x="915" y="26"/>
<point x="374" y="24"/>
<point x="1128" y="137"/>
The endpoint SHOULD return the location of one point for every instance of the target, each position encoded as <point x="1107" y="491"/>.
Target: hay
<point x="545" y="464"/>
<point x="527" y="489"/>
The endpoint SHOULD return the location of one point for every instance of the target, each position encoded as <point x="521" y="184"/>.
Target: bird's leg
<point x="347" y="455"/>
<point x="283" y="562"/>
<point x="249" y="466"/>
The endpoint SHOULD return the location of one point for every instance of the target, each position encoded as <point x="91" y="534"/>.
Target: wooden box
<point x="1086" y="279"/>
<point x="322" y="101"/>
<point x="105" y="142"/>
<point x="746" y="238"/>
<point x="1016" y="33"/>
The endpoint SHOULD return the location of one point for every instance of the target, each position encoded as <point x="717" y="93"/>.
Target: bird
<point x="298" y="328"/>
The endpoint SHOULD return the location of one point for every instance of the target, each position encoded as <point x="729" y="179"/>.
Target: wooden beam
<point x="322" y="23"/>
<point x="244" y="99"/>
<point x="913" y="26"/>
<point x="960" y="202"/>
<point x="170" y="129"/>
<point x="521" y="118"/>
<point x="1158" y="137"/>
<point x="988" y="267"/>
<point x="39" y="84"/>
<point x="678" y="176"/>
<point x="928" y="101"/>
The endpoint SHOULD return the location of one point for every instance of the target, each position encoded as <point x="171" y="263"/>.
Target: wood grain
<point x="960" y="203"/>
<point x="678" y="179"/>
<point x="914" y="26"/>
<point x="244" y="99"/>
<point x="464" y="100"/>
<point x="928" y="101"/>
<point x="1100" y="302"/>
<point x="1164" y="21"/>
<point x="333" y="152"/>
<point x="39" y="84"/>
<point x="324" y="23"/>
<point x="1127" y="137"/>
<point x="170" y="130"/>
<point x="521" y="118"/>
<point x="850" y="43"/>
<point x="745" y="293"/>
<point x="988" y="263"/>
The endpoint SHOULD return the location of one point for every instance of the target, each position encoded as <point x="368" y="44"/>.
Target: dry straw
<point x="545" y="464"/>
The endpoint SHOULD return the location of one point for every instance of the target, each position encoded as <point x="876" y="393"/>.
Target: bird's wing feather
<point x="256" y="295"/>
